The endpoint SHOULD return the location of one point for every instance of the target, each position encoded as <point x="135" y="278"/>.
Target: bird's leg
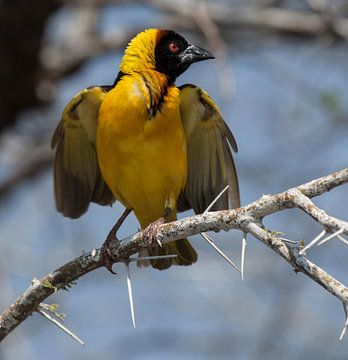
<point x="151" y="230"/>
<point x="105" y="249"/>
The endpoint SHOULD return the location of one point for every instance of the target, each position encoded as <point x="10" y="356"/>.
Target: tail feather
<point x="186" y="255"/>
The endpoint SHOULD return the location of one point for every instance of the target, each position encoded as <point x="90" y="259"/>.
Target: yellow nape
<point x="140" y="52"/>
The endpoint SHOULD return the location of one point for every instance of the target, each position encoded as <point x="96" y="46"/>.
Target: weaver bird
<point x="157" y="148"/>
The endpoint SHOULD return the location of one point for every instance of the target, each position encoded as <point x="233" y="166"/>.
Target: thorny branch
<point x="247" y="219"/>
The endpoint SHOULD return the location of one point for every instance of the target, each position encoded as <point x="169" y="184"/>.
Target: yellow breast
<point x="141" y="152"/>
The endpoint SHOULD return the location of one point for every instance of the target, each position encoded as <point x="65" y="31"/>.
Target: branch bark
<point x="247" y="219"/>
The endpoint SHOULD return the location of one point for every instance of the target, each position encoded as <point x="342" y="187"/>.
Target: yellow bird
<point x="155" y="147"/>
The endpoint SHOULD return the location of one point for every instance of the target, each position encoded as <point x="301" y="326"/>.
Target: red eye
<point x="174" y="47"/>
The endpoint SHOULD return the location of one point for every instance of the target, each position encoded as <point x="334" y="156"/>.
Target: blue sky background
<point x="287" y="133"/>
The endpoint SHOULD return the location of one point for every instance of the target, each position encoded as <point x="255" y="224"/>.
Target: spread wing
<point x="209" y="152"/>
<point x="77" y="177"/>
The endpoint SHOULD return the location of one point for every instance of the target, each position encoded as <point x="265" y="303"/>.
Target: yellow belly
<point x="142" y="160"/>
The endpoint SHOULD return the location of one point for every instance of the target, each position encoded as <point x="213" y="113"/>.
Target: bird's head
<point x="162" y="50"/>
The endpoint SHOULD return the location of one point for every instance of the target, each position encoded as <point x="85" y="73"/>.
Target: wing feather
<point x="209" y="151"/>
<point x="77" y="177"/>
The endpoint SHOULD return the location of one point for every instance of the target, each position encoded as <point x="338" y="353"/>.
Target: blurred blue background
<point x="287" y="107"/>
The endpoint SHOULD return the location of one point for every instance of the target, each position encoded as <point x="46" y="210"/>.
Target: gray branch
<point x="247" y="219"/>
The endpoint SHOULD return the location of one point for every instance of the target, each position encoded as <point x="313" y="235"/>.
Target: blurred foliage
<point x="22" y="26"/>
<point x="288" y="84"/>
<point x="332" y="103"/>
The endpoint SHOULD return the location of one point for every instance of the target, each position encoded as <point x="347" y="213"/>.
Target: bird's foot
<point x="105" y="251"/>
<point x="151" y="230"/>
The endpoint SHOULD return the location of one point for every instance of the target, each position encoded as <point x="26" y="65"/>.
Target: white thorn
<point x="342" y="239"/>
<point x="346" y="323"/>
<point x="344" y="330"/>
<point x="61" y="326"/>
<point x="216" y="199"/>
<point x="157" y="257"/>
<point x="289" y="241"/>
<point x="130" y="295"/>
<point x="159" y="242"/>
<point x="211" y="242"/>
<point x="312" y="243"/>
<point x="338" y="232"/>
<point x="242" y="259"/>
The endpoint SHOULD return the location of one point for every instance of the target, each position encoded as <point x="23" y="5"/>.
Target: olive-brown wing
<point x="209" y="152"/>
<point x="77" y="177"/>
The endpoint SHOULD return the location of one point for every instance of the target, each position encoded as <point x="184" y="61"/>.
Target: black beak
<point x="194" y="53"/>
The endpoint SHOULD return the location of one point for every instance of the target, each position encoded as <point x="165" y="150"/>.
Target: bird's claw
<point x="105" y="252"/>
<point x="150" y="231"/>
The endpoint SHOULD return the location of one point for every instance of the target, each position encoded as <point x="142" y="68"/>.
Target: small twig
<point x="242" y="258"/>
<point x="220" y="252"/>
<point x="61" y="326"/>
<point x="301" y="200"/>
<point x="130" y="294"/>
<point x="52" y="309"/>
<point x="300" y="263"/>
